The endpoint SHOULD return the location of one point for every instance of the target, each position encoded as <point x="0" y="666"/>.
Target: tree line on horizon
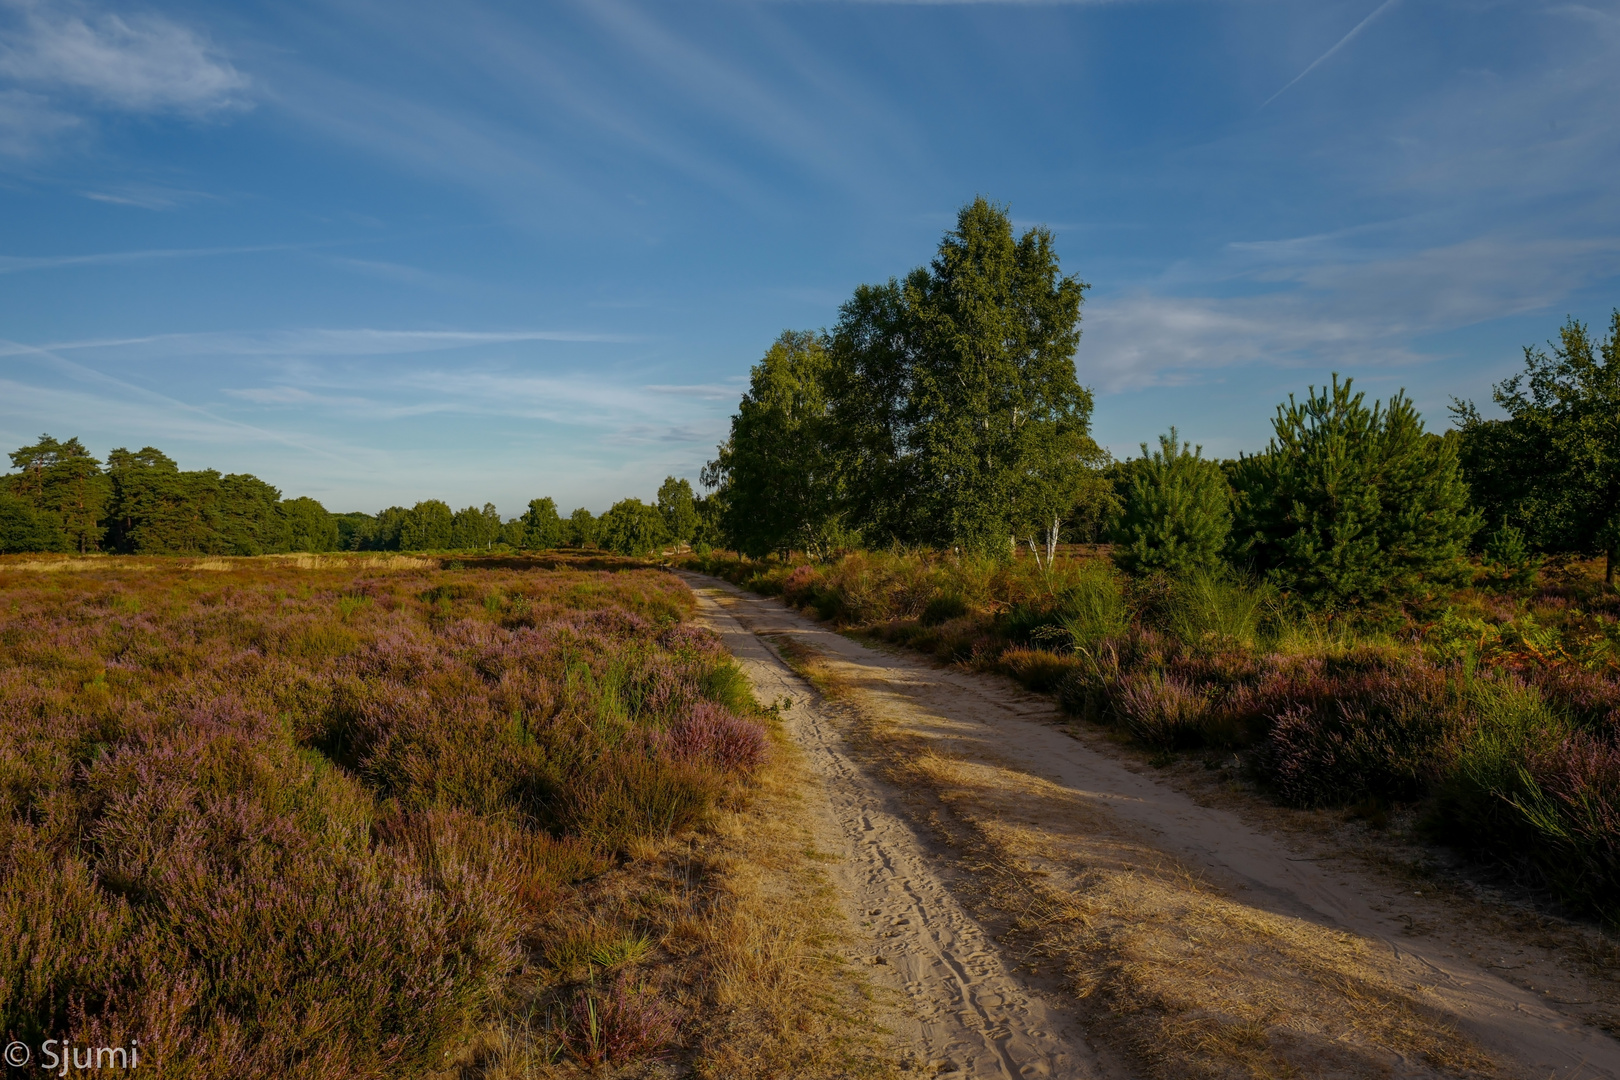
<point x="943" y="410"/>
<point x="63" y="499"/>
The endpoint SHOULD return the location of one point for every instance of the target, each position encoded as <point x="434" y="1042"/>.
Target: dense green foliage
<point x="678" y="506"/>
<point x="1177" y="511"/>
<point x="580" y="529"/>
<point x="143" y="503"/>
<point x="631" y="527"/>
<point x="942" y="409"/>
<point x="778" y="473"/>
<point x="66" y="491"/>
<point x="60" y="499"/>
<point x="542" y="527"/>
<point x="22" y="528"/>
<point x="1349" y="504"/>
<point x="1552" y="467"/>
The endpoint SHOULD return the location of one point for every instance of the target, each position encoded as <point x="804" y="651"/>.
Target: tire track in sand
<point x="969" y="1016"/>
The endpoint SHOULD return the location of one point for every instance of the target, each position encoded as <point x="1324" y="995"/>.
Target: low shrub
<point x="621" y="1024"/>
<point x="270" y="830"/>
<point x="1161" y="711"/>
<point x="1531" y="791"/>
<point x="942" y="609"/>
<point x="1037" y="669"/>
<point x="1374" y="739"/>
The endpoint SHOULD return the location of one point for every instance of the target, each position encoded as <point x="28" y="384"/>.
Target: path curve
<point x="1499" y="1016"/>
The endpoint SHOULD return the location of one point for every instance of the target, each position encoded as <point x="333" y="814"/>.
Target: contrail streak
<point x="1360" y="26"/>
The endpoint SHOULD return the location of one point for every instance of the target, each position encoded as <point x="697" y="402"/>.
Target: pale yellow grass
<point x="746" y="942"/>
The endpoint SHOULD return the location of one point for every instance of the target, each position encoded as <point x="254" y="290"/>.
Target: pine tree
<point x="1177" y="511"/>
<point x="64" y="488"/>
<point x="250" y="521"/>
<point x="1351" y="505"/>
<point x="158" y="510"/>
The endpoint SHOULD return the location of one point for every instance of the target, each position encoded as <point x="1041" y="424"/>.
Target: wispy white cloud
<point x="31" y="125"/>
<point x="136" y="62"/>
<point x="392" y="271"/>
<point x="16" y="264"/>
<point x="1325" y="308"/>
<point x="147" y="196"/>
<point x="133" y="396"/>
<point x="710" y="392"/>
<point x="318" y="342"/>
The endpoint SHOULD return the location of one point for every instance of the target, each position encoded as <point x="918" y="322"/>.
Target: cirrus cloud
<point x="136" y="63"/>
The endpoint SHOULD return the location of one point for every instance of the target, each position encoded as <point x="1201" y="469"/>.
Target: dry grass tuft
<point x="810" y="665"/>
<point x="741" y="940"/>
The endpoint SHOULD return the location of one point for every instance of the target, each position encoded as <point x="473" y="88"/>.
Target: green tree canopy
<point x="542" y="527"/>
<point x="474" y="527"/>
<point x="776" y="476"/>
<point x="64" y="486"/>
<point x="158" y="510"/>
<point x="1351" y="505"/>
<point x="631" y="527"/>
<point x="306" y="525"/>
<point x="249" y="521"/>
<point x="1552" y="467"/>
<point x="1177" y="511"/>
<point x="24" y="529"/>
<point x="679" y="508"/>
<point x="956" y="396"/>
<point x="385" y="532"/>
<point x="581" y="531"/>
<point x="427" y="526"/>
<point x="355" y="529"/>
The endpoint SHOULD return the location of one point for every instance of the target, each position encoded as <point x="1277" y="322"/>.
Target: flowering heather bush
<point x="1363" y="737"/>
<point x="1160" y="710"/>
<point x="622" y="1024"/>
<point x="275" y="822"/>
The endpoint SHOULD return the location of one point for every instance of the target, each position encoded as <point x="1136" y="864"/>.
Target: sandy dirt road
<point x="1148" y="933"/>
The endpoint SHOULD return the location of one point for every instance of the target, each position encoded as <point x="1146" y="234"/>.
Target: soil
<point x="1043" y="903"/>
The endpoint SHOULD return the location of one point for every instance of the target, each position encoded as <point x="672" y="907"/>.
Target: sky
<point x="376" y="252"/>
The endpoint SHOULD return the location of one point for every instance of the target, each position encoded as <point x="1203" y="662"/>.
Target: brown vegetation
<point x="358" y="817"/>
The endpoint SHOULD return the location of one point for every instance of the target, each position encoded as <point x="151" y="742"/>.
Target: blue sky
<point x="376" y="252"/>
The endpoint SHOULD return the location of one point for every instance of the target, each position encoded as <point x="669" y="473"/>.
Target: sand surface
<point x="972" y="1011"/>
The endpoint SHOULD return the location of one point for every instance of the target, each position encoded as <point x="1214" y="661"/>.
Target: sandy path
<point x="950" y="966"/>
<point x="968" y="1016"/>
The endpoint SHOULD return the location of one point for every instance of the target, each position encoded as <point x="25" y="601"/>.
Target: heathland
<point x="364" y="816"/>
<point x="507" y="813"/>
